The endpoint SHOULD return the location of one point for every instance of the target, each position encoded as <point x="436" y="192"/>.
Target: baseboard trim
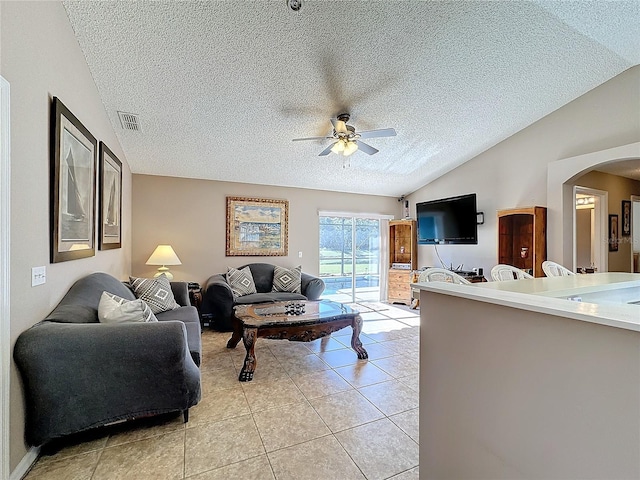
<point x="25" y="464"/>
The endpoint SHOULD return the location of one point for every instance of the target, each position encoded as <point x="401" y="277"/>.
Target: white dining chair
<point x="435" y="274"/>
<point x="502" y="273"/>
<point x="553" y="269"/>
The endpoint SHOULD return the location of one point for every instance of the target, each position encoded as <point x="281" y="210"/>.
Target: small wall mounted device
<point x="294" y="5"/>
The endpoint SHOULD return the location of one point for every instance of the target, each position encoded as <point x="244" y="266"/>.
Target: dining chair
<point x="502" y="273"/>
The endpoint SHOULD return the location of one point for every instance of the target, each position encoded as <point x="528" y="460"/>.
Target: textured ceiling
<point x="628" y="168"/>
<point x="223" y="87"/>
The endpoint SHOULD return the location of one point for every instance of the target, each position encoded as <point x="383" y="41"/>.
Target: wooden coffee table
<point x="270" y="320"/>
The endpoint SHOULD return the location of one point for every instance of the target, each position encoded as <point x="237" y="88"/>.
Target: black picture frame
<point x="613" y="233"/>
<point x="110" y="200"/>
<point x="72" y="186"/>
<point x="625" y="231"/>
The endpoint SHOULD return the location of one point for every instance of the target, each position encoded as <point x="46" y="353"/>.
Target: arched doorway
<point x="561" y="200"/>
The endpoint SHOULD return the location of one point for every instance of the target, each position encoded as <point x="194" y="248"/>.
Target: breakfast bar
<point x="535" y="378"/>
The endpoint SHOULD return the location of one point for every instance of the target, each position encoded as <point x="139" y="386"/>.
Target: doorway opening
<point x="590" y="230"/>
<point x="350" y="257"/>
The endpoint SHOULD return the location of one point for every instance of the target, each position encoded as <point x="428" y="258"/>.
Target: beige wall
<point x="40" y="58"/>
<point x="583" y="237"/>
<point x="190" y="215"/>
<point x="619" y="188"/>
<point x="514" y="172"/>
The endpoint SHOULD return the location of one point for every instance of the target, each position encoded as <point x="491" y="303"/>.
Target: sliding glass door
<point x="350" y="258"/>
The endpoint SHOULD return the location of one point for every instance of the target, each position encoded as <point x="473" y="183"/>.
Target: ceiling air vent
<point x="130" y="121"/>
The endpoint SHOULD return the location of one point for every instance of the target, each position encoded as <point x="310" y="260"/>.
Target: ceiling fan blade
<point x="339" y="126"/>
<point x="327" y="150"/>
<point x="383" y="132"/>
<point x="309" y="138"/>
<point x="368" y="149"/>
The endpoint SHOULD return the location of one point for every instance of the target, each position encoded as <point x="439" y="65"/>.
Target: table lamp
<point x="164" y="255"/>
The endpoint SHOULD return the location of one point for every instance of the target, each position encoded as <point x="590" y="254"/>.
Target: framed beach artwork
<point x="257" y="227"/>
<point x="110" y="205"/>
<point x="73" y="186"/>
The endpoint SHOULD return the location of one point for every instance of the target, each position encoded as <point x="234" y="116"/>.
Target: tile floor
<point x="313" y="411"/>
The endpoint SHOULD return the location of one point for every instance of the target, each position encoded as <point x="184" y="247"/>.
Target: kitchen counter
<point x="550" y="295"/>
<point x="534" y="378"/>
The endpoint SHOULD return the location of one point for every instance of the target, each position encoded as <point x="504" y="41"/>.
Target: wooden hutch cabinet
<point x="403" y="259"/>
<point x="522" y="238"/>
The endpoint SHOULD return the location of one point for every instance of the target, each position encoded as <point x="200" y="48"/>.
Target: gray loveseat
<point x="79" y="374"/>
<point x="218" y="299"/>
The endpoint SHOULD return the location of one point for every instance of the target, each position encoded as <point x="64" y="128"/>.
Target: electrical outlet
<point x="38" y="276"/>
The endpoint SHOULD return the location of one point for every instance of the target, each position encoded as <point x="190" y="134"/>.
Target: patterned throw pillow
<point x="115" y="309"/>
<point x="156" y="292"/>
<point x="241" y="281"/>
<point x="285" y="280"/>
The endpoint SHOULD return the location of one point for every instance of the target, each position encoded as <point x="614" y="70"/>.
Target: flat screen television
<point x="448" y="221"/>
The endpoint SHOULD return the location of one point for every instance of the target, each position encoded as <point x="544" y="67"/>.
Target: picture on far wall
<point x="257" y="227"/>
<point x="110" y="208"/>
<point x="626" y="218"/>
<point x="73" y="186"/>
<point x="613" y="233"/>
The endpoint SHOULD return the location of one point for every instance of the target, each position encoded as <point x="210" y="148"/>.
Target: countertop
<point x="542" y="295"/>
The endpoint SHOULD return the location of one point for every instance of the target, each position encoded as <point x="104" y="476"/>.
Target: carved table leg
<point x="237" y="333"/>
<point x="356" y="344"/>
<point x="249" y="336"/>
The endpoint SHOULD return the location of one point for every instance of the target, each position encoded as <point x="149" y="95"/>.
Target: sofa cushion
<point x="156" y="292"/>
<point x="269" y="297"/>
<point x="286" y="280"/>
<point x="241" y="281"/>
<point x="114" y="309"/>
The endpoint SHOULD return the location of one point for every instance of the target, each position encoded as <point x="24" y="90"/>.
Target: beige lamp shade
<point x="164" y="255"/>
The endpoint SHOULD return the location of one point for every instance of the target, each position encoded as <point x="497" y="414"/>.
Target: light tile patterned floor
<point x="313" y="411"/>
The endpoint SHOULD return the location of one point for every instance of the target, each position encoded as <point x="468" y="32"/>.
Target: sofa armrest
<point x="80" y="376"/>
<point x="181" y="293"/>
<point x="218" y="301"/>
<point x="311" y="287"/>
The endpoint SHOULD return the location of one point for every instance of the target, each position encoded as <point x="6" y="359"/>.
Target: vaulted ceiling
<point x="221" y="88"/>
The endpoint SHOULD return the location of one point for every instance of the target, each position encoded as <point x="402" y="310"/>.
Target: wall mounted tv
<point x="448" y="221"/>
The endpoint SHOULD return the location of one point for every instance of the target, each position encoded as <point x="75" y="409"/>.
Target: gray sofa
<point x="80" y="374"/>
<point x="218" y="299"/>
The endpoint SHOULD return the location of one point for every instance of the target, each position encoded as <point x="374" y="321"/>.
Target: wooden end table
<point x="271" y="320"/>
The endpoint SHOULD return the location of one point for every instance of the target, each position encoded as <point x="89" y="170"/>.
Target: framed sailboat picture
<point x="73" y="186"/>
<point x="110" y="208"/>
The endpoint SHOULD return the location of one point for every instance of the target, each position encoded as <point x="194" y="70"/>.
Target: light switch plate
<point x="299" y="254"/>
<point x="38" y="276"/>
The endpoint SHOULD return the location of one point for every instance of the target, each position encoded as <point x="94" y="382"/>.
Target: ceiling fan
<point x="347" y="141"/>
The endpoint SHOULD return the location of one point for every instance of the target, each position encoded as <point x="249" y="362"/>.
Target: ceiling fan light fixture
<point x="350" y="148"/>
<point x="338" y="147"/>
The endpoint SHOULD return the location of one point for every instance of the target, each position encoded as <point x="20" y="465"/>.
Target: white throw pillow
<point x="114" y="309"/>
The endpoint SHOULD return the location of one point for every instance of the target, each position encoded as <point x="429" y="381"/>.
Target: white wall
<point x="513" y="173"/>
<point x="40" y="58"/>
